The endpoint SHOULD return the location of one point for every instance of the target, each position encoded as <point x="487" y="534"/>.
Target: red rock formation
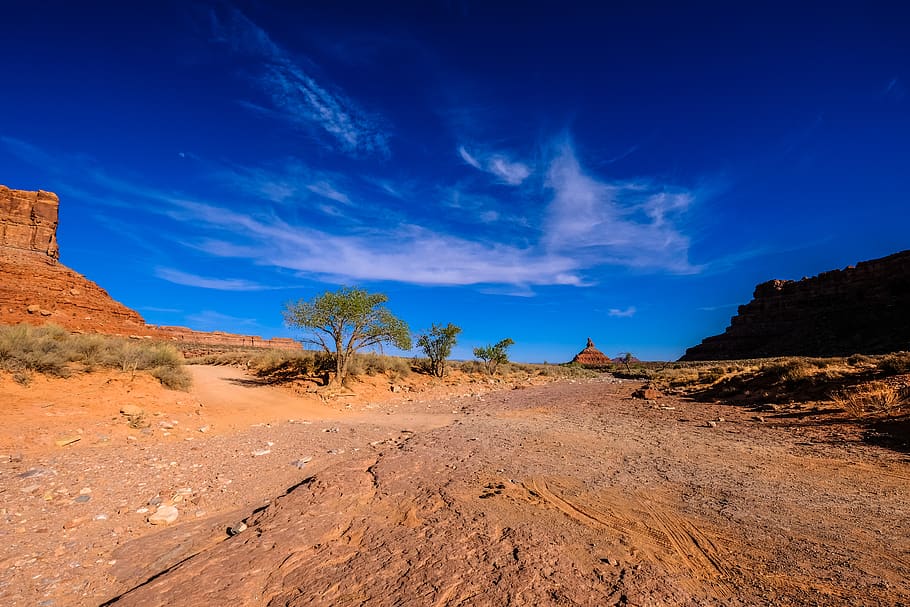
<point x="861" y="309"/>
<point x="592" y="357"/>
<point x="220" y="338"/>
<point x="35" y="288"/>
<point x="28" y="221"/>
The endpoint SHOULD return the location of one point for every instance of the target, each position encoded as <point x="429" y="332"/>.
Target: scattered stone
<point x="259" y="452"/>
<point x="33" y="309"/>
<point x="646" y="393"/>
<point x="237" y="529"/>
<point x="164" y="515"/>
<point x="204" y="429"/>
<point x="37" y="472"/>
<point x="30" y="489"/>
<point x="82" y="499"/>
<point x="85" y="491"/>
<point x="301" y="463"/>
<point x="712" y="424"/>
<point x="63" y="442"/>
<point x="131" y="410"/>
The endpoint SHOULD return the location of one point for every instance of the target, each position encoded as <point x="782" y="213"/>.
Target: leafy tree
<point x="494" y="355"/>
<point x="344" y="321"/>
<point x="437" y="345"/>
<point x="627" y="358"/>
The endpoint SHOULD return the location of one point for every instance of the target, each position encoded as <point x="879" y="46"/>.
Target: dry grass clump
<point x="873" y="399"/>
<point x="51" y="350"/>
<point x="894" y="364"/>
<point x="372" y="363"/>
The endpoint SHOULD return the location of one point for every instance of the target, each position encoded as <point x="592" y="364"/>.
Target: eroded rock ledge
<point x="860" y="309"/>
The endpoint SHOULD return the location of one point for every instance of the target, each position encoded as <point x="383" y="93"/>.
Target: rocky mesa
<point x="860" y="309"/>
<point x="36" y="288"/>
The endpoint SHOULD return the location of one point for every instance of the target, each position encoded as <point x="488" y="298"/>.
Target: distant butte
<point x="592" y="357"/>
<point x="36" y="289"/>
<point x="858" y="310"/>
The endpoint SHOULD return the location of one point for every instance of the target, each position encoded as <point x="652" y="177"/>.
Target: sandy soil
<point x="571" y="493"/>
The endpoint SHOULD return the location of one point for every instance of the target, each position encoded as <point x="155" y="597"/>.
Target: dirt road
<point x="567" y="494"/>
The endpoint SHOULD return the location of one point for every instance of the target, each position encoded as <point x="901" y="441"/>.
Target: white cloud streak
<point x="625" y="224"/>
<point x="295" y="96"/>
<point x="619" y="313"/>
<point x="585" y="224"/>
<point x="500" y="166"/>
<point x="218" y="284"/>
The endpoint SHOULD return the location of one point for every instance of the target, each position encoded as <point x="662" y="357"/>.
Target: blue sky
<point x="540" y="171"/>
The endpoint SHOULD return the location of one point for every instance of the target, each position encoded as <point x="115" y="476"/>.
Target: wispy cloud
<point x="210" y="320"/>
<point x="501" y="166"/>
<point x="618" y="223"/>
<point x="326" y="190"/>
<point x="895" y="89"/>
<point x="202" y="282"/>
<point x="406" y="253"/>
<point x="294" y="95"/>
<point x="619" y="313"/>
<point x="579" y="223"/>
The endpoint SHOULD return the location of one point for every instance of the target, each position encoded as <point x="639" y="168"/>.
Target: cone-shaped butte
<point x="592" y="357"/>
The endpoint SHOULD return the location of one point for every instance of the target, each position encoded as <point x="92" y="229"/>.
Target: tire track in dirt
<point x="656" y="531"/>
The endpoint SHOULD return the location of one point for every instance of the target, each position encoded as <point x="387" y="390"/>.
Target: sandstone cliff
<point x="28" y="221"/>
<point x="35" y="288"/>
<point x="861" y="309"/>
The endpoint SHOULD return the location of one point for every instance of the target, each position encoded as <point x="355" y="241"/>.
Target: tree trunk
<point x="341" y="363"/>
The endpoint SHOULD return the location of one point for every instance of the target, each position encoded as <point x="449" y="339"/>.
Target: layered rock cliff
<point x="35" y="288"/>
<point x="28" y="221"/>
<point x="861" y="309"/>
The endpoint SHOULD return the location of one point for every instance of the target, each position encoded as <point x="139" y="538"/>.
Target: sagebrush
<point x="54" y="351"/>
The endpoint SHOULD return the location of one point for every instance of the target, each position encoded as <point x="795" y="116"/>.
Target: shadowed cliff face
<point x="861" y="309"/>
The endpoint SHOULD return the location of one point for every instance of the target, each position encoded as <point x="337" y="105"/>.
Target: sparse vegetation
<point x="494" y="355"/>
<point x="873" y="399"/>
<point x="894" y="364"/>
<point x="51" y="350"/>
<point x="437" y="344"/>
<point x="347" y="320"/>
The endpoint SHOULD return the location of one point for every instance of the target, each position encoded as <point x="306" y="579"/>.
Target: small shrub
<point x="494" y="355"/>
<point x="175" y="378"/>
<point x="894" y="364"/>
<point x="859" y="360"/>
<point x="787" y="370"/>
<point x="875" y="398"/>
<point x="378" y="364"/>
<point x="51" y="350"/>
<point x="471" y="366"/>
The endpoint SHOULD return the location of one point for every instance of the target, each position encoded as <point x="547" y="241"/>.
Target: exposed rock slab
<point x="861" y="309"/>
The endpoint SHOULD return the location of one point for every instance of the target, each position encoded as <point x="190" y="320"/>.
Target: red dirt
<point x="571" y="493"/>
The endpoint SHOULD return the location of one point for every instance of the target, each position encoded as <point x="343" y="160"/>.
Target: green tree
<point x="344" y="321"/>
<point x="627" y="359"/>
<point x="437" y="345"/>
<point x="494" y="355"/>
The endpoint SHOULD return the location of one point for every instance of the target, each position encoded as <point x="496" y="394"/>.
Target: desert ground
<point x="568" y="492"/>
